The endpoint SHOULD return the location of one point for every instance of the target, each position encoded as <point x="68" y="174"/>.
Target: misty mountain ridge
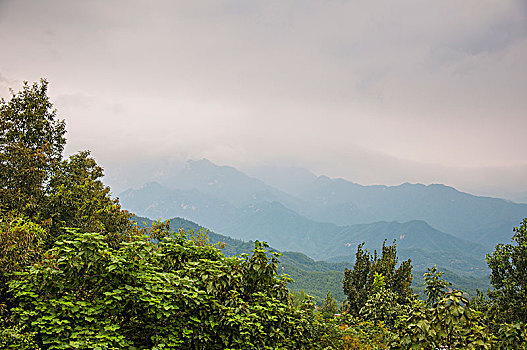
<point x="443" y="207"/>
<point x="327" y="218"/>
<point x="346" y="203"/>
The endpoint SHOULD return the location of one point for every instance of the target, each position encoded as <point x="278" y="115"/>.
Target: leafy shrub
<point x="13" y="337"/>
<point x="21" y="243"/>
<point x="452" y="324"/>
<point x="84" y="294"/>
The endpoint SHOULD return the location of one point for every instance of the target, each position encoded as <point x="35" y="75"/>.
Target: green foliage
<point x="34" y="180"/>
<point x="79" y="199"/>
<point x="31" y="143"/>
<point x="299" y="299"/>
<point x="480" y="303"/>
<point x="329" y="307"/>
<point x="358" y="282"/>
<point x="512" y="336"/>
<point x="313" y="277"/>
<point x="508" y="278"/>
<point x="315" y="283"/>
<point x="21" y="243"/>
<point x="145" y="295"/>
<point x="40" y="193"/>
<point x="13" y="337"/>
<point x="382" y="305"/>
<point x="379" y="282"/>
<point x="435" y="286"/>
<point x="452" y="324"/>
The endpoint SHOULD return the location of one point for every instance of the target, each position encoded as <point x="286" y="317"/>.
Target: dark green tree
<point x="40" y="193"/>
<point x="358" y="281"/>
<point x="36" y="183"/>
<point x="31" y="143"/>
<point x="78" y="198"/>
<point x="508" y="264"/>
<point x="21" y="243"/>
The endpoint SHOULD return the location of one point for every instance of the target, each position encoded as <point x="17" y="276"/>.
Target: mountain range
<point x="316" y="278"/>
<point x="327" y="218"/>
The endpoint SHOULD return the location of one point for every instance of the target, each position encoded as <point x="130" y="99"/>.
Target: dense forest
<point x="76" y="272"/>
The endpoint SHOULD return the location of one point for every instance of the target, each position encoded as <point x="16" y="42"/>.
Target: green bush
<point x="451" y="324"/>
<point x="84" y="294"/>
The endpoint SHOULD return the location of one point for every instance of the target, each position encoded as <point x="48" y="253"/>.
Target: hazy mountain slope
<point x="281" y="227"/>
<point x="289" y="179"/>
<point x="215" y="195"/>
<point x="409" y="235"/>
<point x="284" y="229"/>
<point x="492" y="234"/>
<point x="449" y="210"/>
<point x="227" y="184"/>
<point x="156" y="201"/>
<point x="226" y="200"/>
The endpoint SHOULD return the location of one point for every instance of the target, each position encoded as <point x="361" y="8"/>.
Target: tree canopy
<point x="37" y="183"/>
<point x="142" y="294"/>
<point x="31" y="143"/>
<point x="508" y="264"/>
<point x="359" y="281"/>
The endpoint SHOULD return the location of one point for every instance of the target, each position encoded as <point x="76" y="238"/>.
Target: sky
<point x="376" y="91"/>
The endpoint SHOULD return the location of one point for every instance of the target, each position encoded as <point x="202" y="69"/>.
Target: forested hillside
<point x="316" y="278"/>
<point x="287" y="230"/>
<point x="76" y="273"/>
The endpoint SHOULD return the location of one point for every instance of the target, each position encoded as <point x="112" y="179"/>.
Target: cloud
<point x="405" y="89"/>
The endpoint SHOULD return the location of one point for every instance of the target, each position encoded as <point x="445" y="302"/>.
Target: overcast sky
<point x="378" y="92"/>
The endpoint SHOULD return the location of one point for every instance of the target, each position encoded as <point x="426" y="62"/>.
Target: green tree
<point x="78" y="198"/>
<point x="31" y="143"/>
<point x="329" y="307"/>
<point x="21" y="243"/>
<point x="435" y="286"/>
<point x="40" y="193"/>
<point x="508" y="264"/>
<point x="358" y="282"/>
<point x="382" y="304"/>
<point x="36" y="183"/>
